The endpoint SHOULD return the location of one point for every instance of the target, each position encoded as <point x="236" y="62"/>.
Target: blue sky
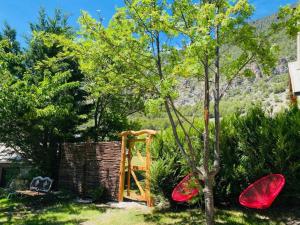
<point x="267" y="7"/>
<point x="18" y="13"/>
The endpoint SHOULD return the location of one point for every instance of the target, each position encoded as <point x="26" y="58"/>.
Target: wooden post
<point x="129" y="168"/>
<point x="148" y="163"/>
<point x="122" y="168"/>
<point x="292" y="97"/>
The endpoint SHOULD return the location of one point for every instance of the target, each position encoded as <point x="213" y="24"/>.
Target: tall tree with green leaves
<point x="114" y="97"/>
<point x="159" y="42"/>
<point x="11" y="53"/>
<point x="40" y="111"/>
<point x="44" y="107"/>
<point x="10" y="34"/>
<point x="289" y="21"/>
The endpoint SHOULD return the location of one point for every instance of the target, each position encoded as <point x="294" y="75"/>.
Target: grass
<point x="12" y="212"/>
<point x="49" y="212"/>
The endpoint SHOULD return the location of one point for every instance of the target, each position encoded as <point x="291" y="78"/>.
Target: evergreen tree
<point x="44" y="107"/>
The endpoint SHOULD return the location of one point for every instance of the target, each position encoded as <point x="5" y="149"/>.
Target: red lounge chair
<point x="262" y="193"/>
<point x="186" y="189"/>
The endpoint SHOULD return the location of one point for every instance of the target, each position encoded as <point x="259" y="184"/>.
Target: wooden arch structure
<point x="128" y="149"/>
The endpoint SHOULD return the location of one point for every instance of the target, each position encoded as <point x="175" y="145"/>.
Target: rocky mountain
<point x="270" y="91"/>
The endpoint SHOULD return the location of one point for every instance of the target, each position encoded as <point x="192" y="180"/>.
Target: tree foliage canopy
<point x="69" y="87"/>
<point x="48" y="92"/>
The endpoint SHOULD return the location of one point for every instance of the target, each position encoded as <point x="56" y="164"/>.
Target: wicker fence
<point x="86" y="166"/>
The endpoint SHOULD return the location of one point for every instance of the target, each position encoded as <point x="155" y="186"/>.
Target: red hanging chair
<point x="186" y="189"/>
<point x="262" y="193"/>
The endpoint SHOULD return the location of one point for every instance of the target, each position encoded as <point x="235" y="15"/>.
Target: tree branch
<point x="175" y="134"/>
<point x="192" y="153"/>
<point x="234" y="76"/>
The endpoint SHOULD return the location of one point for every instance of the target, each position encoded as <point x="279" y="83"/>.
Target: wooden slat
<point x="136" y="197"/>
<point x="30" y="193"/>
<point x="138" y="133"/>
<point x="140" y="156"/>
<point x="136" y="140"/>
<point x="148" y="163"/>
<point x="138" y="168"/>
<point x="129" y="170"/>
<point x="122" y="169"/>
<point x="138" y="183"/>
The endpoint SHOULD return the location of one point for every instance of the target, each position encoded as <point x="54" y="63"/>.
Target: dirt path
<point x="123" y="213"/>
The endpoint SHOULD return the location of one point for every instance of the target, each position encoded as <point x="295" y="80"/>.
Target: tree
<point x="289" y="21"/>
<point x="10" y="34"/>
<point x="37" y="115"/>
<point x="44" y="106"/>
<point x="11" y="52"/>
<point x="113" y="96"/>
<point x="58" y="24"/>
<point x="213" y="28"/>
<point x="157" y="43"/>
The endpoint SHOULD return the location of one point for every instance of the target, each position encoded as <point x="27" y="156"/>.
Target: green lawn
<point x="29" y="212"/>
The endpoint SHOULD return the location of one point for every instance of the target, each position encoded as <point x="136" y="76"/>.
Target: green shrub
<point x="10" y="174"/>
<point x="255" y="145"/>
<point x="3" y="193"/>
<point x="167" y="168"/>
<point x="96" y="194"/>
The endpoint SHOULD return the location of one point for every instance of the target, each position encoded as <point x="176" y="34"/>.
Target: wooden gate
<point x="132" y="160"/>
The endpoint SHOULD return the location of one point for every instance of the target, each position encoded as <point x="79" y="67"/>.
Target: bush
<point x="11" y="173"/>
<point x="97" y="194"/>
<point x="167" y="168"/>
<point x="255" y="145"/>
<point x="19" y="175"/>
<point x="3" y="193"/>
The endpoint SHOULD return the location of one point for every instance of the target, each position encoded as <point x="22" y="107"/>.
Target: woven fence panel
<point x="86" y="166"/>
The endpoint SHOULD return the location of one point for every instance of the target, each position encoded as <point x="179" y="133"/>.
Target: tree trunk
<point x="208" y="179"/>
<point x="59" y="150"/>
<point x="217" y="105"/>
<point x="209" y="201"/>
<point x="96" y="121"/>
<point x="54" y="159"/>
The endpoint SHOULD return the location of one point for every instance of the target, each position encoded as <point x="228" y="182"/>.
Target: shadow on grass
<point x="273" y="215"/>
<point x="283" y="214"/>
<point x="31" y="211"/>
<point x="67" y="212"/>
<point x="241" y="218"/>
<point x="192" y="217"/>
<point x="235" y="216"/>
<point x="36" y="220"/>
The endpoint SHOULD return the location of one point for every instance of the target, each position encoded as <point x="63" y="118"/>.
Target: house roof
<point x="7" y="155"/>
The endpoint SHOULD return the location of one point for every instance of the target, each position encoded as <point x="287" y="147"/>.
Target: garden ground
<point x="49" y="212"/>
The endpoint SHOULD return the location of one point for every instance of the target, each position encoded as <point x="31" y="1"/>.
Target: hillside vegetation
<point x="270" y="91"/>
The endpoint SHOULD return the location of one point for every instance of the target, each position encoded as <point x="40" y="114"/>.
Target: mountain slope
<point x="269" y="91"/>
